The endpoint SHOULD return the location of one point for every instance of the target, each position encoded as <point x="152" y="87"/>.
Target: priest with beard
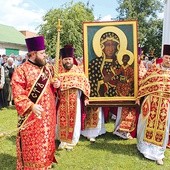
<point x="33" y="90"/>
<point x="74" y="95"/>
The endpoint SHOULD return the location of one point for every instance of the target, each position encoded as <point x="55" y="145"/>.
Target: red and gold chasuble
<point x="36" y="142"/>
<point x="156" y="86"/>
<point x="71" y="81"/>
<point x="168" y="145"/>
<point x="128" y="119"/>
<point x="92" y="117"/>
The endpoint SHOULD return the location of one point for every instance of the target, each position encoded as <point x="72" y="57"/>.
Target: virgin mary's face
<point x="110" y="48"/>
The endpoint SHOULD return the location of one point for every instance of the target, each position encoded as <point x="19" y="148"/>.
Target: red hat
<point x="166" y="49"/>
<point x="67" y="51"/>
<point x="35" y="43"/>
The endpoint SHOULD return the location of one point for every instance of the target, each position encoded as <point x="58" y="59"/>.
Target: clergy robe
<point x="74" y="84"/>
<point x="36" y="140"/>
<point x="154" y="119"/>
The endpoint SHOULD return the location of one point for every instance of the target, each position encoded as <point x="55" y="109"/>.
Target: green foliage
<point x="72" y="16"/>
<point x="108" y="153"/>
<point x="154" y="37"/>
<point x="149" y="26"/>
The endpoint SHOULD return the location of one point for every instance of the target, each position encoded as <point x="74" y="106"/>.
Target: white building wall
<point x="166" y="23"/>
<point x="22" y="48"/>
<point x="22" y="53"/>
<point x="2" y="51"/>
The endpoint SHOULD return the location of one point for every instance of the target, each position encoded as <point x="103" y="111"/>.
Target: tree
<point x="154" y="38"/>
<point x="149" y="25"/>
<point x="72" y="16"/>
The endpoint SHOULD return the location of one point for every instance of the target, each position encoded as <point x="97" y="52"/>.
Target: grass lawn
<point x="108" y="153"/>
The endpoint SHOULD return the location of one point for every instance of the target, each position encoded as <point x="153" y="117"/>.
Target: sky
<point x="27" y="14"/>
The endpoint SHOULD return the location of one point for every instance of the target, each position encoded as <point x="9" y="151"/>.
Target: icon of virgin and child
<point x="111" y="71"/>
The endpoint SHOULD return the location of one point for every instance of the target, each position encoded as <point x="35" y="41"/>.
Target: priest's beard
<point x="40" y="62"/>
<point x="67" y="66"/>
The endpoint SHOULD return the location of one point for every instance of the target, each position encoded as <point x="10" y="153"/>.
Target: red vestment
<point x="36" y="142"/>
<point x="71" y="81"/>
<point x="128" y="121"/>
<point x="155" y="86"/>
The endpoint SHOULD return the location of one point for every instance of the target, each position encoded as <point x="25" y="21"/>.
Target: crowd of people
<point x="54" y="107"/>
<point x="7" y="66"/>
<point x="8" y="63"/>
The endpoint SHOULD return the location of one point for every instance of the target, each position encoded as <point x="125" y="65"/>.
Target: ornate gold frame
<point x="127" y="33"/>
